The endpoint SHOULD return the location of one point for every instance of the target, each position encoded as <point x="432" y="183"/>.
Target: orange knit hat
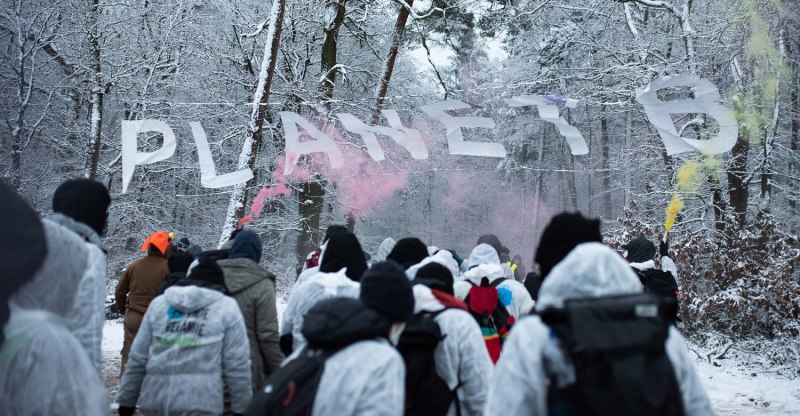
<point x="159" y="240"/>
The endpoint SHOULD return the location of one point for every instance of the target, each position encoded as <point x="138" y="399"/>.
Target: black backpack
<point x="426" y="393"/>
<point x="291" y="389"/>
<point x="617" y="347"/>
<point x="662" y="283"/>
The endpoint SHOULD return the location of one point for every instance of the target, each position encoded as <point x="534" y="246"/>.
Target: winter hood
<point x="385" y="248"/>
<point x="339" y="322"/>
<point x="443" y="257"/>
<point x="191" y="298"/>
<point x="431" y="300"/>
<point x="55" y="286"/>
<point x="79" y="228"/>
<point x="589" y="270"/>
<point x="490" y="271"/>
<point x="241" y="273"/>
<point x="483" y="254"/>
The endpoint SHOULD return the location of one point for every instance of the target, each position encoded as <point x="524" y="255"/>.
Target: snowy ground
<point x="732" y="389"/>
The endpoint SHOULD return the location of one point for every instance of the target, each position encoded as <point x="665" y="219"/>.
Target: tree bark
<point x="388" y="68"/>
<point x="98" y="93"/>
<point x="738" y="191"/>
<point x="314" y="191"/>
<point x="253" y="137"/>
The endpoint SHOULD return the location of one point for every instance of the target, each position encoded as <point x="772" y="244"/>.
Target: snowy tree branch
<point x="414" y="14"/>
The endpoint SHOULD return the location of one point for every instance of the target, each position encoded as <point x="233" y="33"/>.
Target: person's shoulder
<point x="380" y="352"/>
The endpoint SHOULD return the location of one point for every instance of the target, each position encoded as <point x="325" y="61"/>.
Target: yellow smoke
<point x="688" y="180"/>
<point x="672" y="211"/>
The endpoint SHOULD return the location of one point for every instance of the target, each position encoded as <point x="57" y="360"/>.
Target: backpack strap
<point x="497" y="282"/>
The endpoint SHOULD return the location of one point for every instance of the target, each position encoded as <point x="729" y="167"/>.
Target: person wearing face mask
<point x="363" y="373"/>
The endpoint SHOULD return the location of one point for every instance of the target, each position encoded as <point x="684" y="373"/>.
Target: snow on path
<point x="734" y="391"/>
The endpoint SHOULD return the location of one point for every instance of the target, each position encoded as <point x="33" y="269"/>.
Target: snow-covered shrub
<point x="741" y="283"/>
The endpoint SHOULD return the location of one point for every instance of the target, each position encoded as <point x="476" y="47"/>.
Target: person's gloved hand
<point x="126" y="411"/>
<point x="663" y="249"/>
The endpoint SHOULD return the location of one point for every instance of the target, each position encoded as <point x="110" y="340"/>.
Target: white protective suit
<point x="78" y="247"/>
<point x="443" y="257"/>
<point x="519" y="385"/>
<point x="461" y="357"/>
<point x="383" y="250"/>
<point x="44" y="370"/>
<point x="513" y="293"/>
<point x="190" y="339"/>
<point x="317" y="287"/>
<point x="366" y="378"/>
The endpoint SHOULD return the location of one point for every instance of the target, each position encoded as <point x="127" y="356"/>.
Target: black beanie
<point x="85" y="201"/>
<point x="23" y="247"/>
<point x="207" y="271"/>
<point x="344" y="250"/>
<point x="179" y="261"/>
<point x="640" y="250"/>
<point x="435" y="276"/>
<point x="334" y="229"/>
<point x="562" y="234"/>
<point x="386" y="289"/>
<point x="408" y="252"/>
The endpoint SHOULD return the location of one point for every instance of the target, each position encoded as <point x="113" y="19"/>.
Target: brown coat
<point x="139" y="282"/>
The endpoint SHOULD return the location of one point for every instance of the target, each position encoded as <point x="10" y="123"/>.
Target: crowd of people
<point x="410" y="329"/>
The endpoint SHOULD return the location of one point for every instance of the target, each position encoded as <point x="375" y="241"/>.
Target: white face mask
<point x="395" y="332"/>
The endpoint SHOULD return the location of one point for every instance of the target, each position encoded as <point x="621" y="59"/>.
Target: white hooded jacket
<point x="77" y="247"/>
<point x="191" y="338"/>
<point x="44" y="369"/>
<point x="461" y="357"/>
<point x="519" y="385"/>
<point x="317" y="287"/>
<point x="487" y="264"/>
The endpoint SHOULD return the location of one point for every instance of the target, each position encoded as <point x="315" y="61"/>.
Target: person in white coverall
<point x="191" y="338"/>
<point x="367" y="377"/>
<point x="461" y="358"/>
<point x="342" y="265"/>
<point x="520" y="384"/>
<point x="484" y="262"/>
<point x="44" y="370"/>
<point x="81" y="210"/>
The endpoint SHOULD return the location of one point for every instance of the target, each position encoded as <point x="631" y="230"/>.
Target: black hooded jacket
<point x="338" y="322"/>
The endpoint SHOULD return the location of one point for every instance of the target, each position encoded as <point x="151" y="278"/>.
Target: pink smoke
<point x="362" y="184"/>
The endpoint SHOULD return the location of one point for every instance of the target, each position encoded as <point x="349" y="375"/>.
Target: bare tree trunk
<point x="312" y="198"/>
<point x="98" y="93"/>
<point x="795" y="114"/>
<point x="253" y="137"/>
<point x="388" y="67"/>
<point x="738" y="191"/>
<point x="314" y="192"/>
<point x="606" y="162"/>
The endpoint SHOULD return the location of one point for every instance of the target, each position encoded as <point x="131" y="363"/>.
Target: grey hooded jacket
<point x="78" y="248"/>
<point x="190" y="339"/>
<point x="44" y="370"/>
<point x="253" y="288"/>
<point x="519" y="385"/>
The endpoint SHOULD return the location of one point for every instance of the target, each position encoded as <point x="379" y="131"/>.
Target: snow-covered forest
<point x="73" y="71"/>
